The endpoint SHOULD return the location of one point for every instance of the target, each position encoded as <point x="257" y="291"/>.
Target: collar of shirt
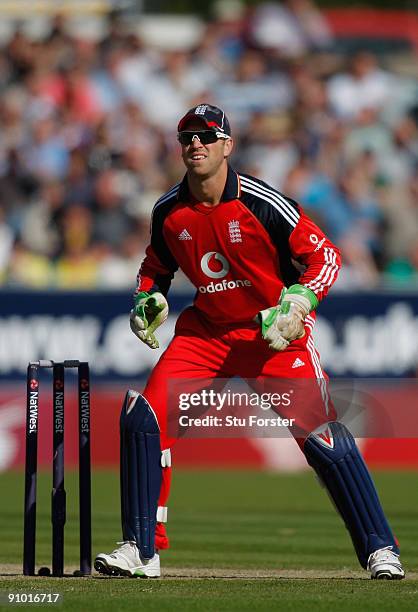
<point x="230" y="192"/>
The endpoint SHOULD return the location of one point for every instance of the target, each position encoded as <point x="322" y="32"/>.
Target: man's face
<point x="204" y="160"/>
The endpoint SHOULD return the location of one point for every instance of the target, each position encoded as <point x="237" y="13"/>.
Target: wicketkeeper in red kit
<point x="237" y="239"/>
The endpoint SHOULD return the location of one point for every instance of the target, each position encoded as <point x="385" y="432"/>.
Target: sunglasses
<point x="204" y="136"/>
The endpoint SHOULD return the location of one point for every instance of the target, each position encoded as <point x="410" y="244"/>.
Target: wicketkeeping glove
<point x="150" y="311"/>
<point x="284" y="323"/>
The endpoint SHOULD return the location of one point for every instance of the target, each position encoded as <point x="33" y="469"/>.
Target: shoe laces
<point x="383" y="555"/>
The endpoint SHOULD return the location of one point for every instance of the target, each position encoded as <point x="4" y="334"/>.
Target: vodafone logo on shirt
<point x="210" y="267"/>
<point x="215" y="265"/>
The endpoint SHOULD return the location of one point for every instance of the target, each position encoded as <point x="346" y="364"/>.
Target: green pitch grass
<point x="240" y="541"/>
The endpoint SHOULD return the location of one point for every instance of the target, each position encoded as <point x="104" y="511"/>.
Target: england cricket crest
<point x="324" y="436"/>
<point x="201" y="109"/>
<point x="234" y="231"/>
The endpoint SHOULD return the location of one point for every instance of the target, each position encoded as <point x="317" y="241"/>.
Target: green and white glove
<point x="150" y="311"/>
<point x="282" y="324"/>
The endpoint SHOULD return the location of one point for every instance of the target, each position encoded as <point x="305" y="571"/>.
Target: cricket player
<point x="260" y="267"/>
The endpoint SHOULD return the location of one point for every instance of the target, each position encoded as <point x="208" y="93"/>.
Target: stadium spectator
<point x="365" y="86"/>
<point x="292" y="27"/>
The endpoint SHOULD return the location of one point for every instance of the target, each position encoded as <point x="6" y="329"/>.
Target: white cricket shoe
<point x="384" y="564"/>
<point x="126" y="561"/>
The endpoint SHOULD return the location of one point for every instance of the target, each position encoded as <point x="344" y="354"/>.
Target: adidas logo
<point x="184" y="235"/>
<point x="298" y="363"/>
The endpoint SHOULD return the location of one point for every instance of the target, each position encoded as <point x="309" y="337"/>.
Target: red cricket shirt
<point x="238" y="254"/>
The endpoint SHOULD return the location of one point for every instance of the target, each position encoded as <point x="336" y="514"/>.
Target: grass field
<point x="240" y="541"/>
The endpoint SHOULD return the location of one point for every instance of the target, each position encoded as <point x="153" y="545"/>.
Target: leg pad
<point x="140" y="472"/>
<point x="333" y="454"/>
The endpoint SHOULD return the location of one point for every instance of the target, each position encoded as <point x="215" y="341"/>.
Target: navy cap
<point x="214" y="118"/>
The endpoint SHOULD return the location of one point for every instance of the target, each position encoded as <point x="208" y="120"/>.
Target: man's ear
<point x="229" y="145"/>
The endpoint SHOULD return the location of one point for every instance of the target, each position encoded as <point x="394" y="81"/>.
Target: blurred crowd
<point x="88" y="141"/>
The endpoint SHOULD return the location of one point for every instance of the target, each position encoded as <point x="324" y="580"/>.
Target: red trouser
<point x="203" y="350"/>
